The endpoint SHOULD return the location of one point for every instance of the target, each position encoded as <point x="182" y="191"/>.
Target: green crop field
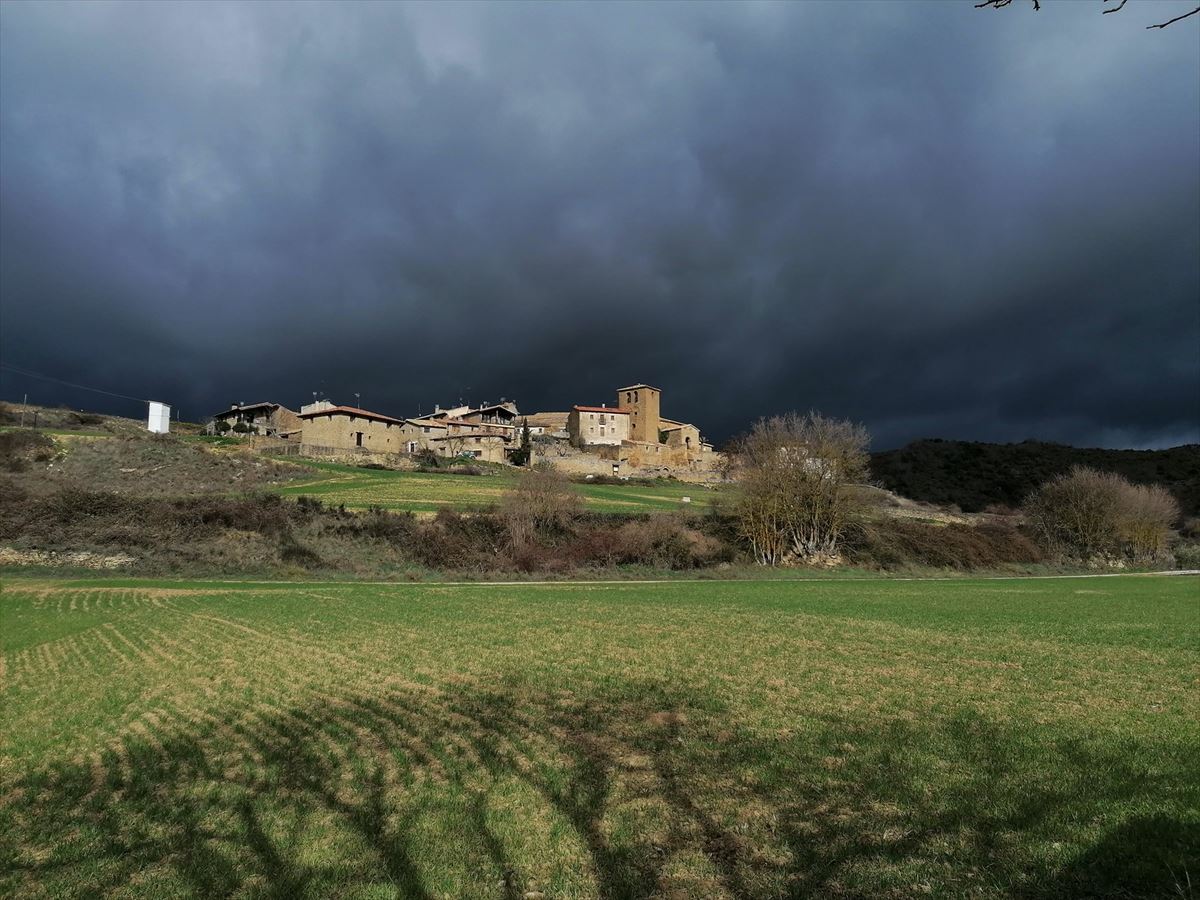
<point x="425" y="492"/>
<point x="716" y="739"/>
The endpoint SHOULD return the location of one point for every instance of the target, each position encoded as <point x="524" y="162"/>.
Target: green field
<point x="428" y="492"/>
<point x="739" y="739"/>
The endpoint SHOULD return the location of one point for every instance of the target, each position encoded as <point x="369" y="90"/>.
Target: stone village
<point x="630" y="437"/>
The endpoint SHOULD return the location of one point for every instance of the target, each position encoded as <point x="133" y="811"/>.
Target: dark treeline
<point x="975" y="476"/>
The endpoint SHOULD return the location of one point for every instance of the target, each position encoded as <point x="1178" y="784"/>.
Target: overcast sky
<point x="936" y="220"/>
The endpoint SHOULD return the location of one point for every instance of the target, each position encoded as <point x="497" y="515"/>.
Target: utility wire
<point x="83" y="387"/>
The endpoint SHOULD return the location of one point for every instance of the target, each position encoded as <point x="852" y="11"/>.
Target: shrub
<point x="542" y="502"/>
<point x="1087" y="514"/>
<point x="455" y="541"/>
<point x="1147" y="512"/>
<point x="19" y="448"/>
<point x="798" y="479"/>
<point x="292" y="551"/>
<point x="891" y="544"/>
<point x="1187" y="555"/>
<point x="660" y="540"/>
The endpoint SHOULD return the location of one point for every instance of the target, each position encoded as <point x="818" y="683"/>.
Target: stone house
<point x="270" y="419"/>
<point x="549" y="424"/>
<point x="477" y="444"/>
<point x="504" y="413"/>
<point x="350" y="428"/>
<point x="679" y="435"/>
<point x="590" y="426"/>
<point x="419" y="434"/>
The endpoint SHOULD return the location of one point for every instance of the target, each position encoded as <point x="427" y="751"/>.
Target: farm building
<point x="270" y="419"/>
<point x="349" y="428"/>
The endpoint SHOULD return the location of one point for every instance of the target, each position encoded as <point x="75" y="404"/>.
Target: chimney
<point x="437" y="407"/>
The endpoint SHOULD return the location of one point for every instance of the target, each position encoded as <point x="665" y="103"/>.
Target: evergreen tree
<point x="525" y="454"/>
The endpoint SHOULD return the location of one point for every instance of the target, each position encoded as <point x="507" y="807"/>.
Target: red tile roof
<point x="349" y="411"/>
<point x="603" y="409"/>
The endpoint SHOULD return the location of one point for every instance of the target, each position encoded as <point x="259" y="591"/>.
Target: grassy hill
<point x="422" y="492"/>
<point x="976" y="475"/>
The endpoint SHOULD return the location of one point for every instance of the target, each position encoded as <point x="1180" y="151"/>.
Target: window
<point x="425" y="428"/>
<point x="358" y="438"/>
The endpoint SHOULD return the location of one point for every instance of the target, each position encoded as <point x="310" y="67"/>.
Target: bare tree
<point x="1078" y="514"/>
<point x="1146" y="517"/>
<point x="455" y="444"/>
<point x="796" y="476"/>
<point x="541" y="500"/>
<point x="1088" y="514"/>
<point x="1119" y="5"/>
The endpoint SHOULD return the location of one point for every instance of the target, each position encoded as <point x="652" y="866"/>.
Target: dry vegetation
<point x="182" y="505"/>
<point x="796" y="486"/>
<point x="1089" y="515"/>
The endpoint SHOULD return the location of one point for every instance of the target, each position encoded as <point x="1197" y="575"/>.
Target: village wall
<point x="599" y="461"/>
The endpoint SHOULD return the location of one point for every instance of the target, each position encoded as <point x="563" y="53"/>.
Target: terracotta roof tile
<point x="349" y="411"/>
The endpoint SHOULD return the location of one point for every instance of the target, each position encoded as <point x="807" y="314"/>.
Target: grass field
<point x="424" y="492"/>
<point x="750" y="739"/>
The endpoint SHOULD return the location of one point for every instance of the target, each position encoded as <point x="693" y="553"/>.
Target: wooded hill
<point x="976" y="475"/>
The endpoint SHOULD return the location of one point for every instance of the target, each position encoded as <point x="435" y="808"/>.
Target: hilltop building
<point x="549" y="424"/>
<point x="642" y="401"/>
<point x="349" y="428"/>
<point x="269" y="419"/>
<point x="632" y="434"/>
<point x="590" y="426"/>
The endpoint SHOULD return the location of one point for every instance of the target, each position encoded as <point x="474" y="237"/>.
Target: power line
<point x="83" y="387"/>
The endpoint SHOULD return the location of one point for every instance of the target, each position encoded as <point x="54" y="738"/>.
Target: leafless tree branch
<point x="1174" y="20"/>
<point x="1000" y="4"/>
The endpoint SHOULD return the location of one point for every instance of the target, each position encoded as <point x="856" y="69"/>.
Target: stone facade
<point x="591" y="426"/>
<point x="350" y="428"/>
<point x="551" y="424"/>
<point x="418" y="435"/>
<point x="680" y="436"/>
<point x="477" y="445"/>
<point x="643" y="402"/>
<point x="270" y="419"/>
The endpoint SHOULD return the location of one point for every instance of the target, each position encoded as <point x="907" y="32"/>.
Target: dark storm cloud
<point x="938" y="220"/>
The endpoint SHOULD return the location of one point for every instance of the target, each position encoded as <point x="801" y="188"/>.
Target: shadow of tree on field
<point x="662" y="793"/>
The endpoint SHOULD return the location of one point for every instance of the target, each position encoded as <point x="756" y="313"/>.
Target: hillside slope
<point x="976" y="475"/>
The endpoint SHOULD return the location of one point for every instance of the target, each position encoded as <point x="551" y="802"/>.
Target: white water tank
<point x="160" y="418"/>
